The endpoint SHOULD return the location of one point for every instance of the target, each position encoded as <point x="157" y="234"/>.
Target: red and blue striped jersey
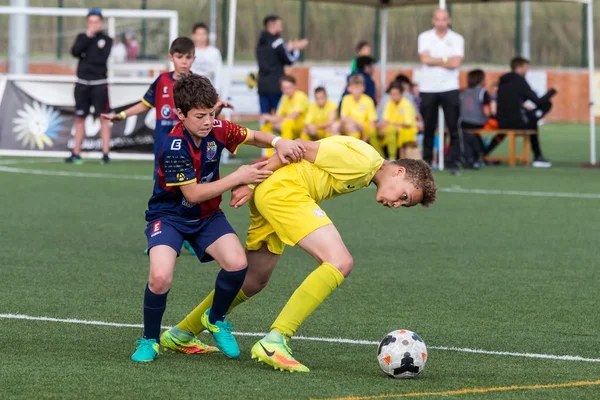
<point x="181" y="162"/>
<point x="160" y="96"/>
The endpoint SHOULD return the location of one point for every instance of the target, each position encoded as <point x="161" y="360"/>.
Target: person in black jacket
<point x="513" y="113"/>
<point x="92" y="48"/>
<point x="273" y="54"/>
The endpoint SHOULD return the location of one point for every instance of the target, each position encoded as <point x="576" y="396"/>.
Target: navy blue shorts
<point x="269" y="102"/>
<point x="201" y="234"/>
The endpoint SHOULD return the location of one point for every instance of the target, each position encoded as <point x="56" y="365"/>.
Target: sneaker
<point x="455" y="172"/>
<point x="541" y="162"/>
<point x="273" y="350"/>
<point x="188" y="344"/>
<point x="73" y="159"/>
<point x="147" y="350"/>
<point x="105" y="159"/>
<point x="221" y="332"/>
<point x="189" y="247"/>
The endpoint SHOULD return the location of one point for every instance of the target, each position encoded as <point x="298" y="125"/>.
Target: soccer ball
<point x="402" y="354"/>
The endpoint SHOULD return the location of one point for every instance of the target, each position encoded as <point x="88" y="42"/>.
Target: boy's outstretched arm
<point x="133" y="110"/>
<point x="242" y="194"/>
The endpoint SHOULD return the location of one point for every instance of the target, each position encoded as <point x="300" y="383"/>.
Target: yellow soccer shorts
<point x="282" y="212"/>
<point x="406" y="136"/>
<point x="292" y="128"/>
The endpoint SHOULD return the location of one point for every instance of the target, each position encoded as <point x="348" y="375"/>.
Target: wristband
<point x="274" y="142"/>
<point x="123" y="114"/>
<point x="251" y="186"/>
<point x="445" y="60"/>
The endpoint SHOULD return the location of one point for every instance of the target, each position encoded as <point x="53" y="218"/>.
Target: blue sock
<point x="154" y="308"/>
<point x="227" y="286"/>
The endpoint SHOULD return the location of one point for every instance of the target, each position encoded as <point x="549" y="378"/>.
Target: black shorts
<point x="87" y="96"/>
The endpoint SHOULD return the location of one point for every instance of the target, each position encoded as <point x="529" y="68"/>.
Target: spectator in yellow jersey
<point x="321" y="116"/>
<point x="357" y="114"/>
<point x="291" y="113"/>
<point x="398" y="130"/>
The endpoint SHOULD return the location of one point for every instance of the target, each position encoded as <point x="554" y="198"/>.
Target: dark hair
<point x="518" y="62"/>
<point x="361" y="45"/>
<point x="356" y="79"/>
<point x="475" y="78"/>
<point x="401" y="78"/>
<point x="364" y="61"/>
<point x="395" y="85"/>
<point x="194" y="91"/>
<point x="320" y="89"/>
<point x="270" y="18"/>
<point x="419" y="173"/>
<point x="95" y="11"/>
<point x="288" y="78"/>
<point x="200" y="25"/>
<point x="182" y="45"/>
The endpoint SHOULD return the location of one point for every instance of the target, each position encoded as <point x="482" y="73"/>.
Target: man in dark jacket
<point x="513" y="113"/>
<point x="273" y="54"/>
<point x="92" y="48"/>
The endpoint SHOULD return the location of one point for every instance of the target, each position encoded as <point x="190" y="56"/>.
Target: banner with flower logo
<point x="39" y="117"/>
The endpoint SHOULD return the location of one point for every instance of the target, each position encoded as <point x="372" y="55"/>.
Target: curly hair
<point x="419" y="173"/>
<point x="194" y="91"/>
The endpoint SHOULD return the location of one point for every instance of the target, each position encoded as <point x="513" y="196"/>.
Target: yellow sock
<point x="376" y="143"/>
<point x="391" y="138"/>
<point x="191" y="323"/>
<point x="309" y="295"/>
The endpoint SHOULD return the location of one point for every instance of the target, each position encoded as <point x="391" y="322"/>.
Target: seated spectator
<point x="364" y="66"/>
<point x="475" y="113"/>
<point x="321" y="117"/>
<point x="398" y="130"/>
<point x="357" y="112"/>
<point x="291" y="113"/>
<point x="363" y="48"/>
<point x="513" y="92"/>
<point x="133" y="48"/>
<point x="411" y="93"/>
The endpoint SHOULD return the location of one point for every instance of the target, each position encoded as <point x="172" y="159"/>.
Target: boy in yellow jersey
<point x="321" y="117"/>
<point x="291" y="113"/>
<point x="357" y="114"/>
<point x="398" y="130"/>
<point x="284" y="210"/>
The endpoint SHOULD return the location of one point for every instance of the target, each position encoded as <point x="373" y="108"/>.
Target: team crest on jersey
<point x="362" y="107"/>
<point x="101" y="43"/>
<point x="211" y="150"/>
<point x="165" y="111"/>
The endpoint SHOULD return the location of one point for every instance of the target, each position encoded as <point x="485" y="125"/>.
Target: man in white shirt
<point x="441" y="51"/>
<point x="208" y="61"/>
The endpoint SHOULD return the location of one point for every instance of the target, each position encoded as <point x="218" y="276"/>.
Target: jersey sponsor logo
<point x="217" y="123"/>
<point x="207" y="178"/>
<point x="186" y="203"/>
<point x="165" y="111"/>
<point x="180" y="177"/>
<point x="319" y="213"/>
<point x="165" y="89"/>
<point x="211" y="150"/>
<point x="156" y="229"/>
<point x="176" y="144"/>
<point x="101" y="43"/>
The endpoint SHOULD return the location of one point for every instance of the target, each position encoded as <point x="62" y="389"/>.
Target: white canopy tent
<point x="384" y="5"/>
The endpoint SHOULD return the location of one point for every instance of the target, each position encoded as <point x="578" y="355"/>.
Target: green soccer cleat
<point x="221" y="332"/>
<point x="273" y="350"/>
<point x="189" y="247"/>
<point x="188" y="345"/>
<point x="147" y="350"/>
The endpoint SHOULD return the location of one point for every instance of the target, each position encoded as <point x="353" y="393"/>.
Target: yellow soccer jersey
<point x="362" y="110"/>
<point x="343" y="165"/>
<point x="401" y="113"/>
<point x="297" y="103"/>
<point x="320" y="115"/>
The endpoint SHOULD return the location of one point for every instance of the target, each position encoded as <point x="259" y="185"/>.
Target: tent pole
<point x="230" y="55"/>
<point x="383" y="52"/>
<point x="441" y="122"/>
<point x="591" y="67"/>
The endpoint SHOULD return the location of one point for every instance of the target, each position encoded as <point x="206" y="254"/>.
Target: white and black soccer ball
<point x="402" y="354"/>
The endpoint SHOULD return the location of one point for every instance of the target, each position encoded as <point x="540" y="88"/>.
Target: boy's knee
<point x="343" y="262"/>
<point x="237" y="264"/>
<point x="254" y="284"/>
<point x="159" y="282"/>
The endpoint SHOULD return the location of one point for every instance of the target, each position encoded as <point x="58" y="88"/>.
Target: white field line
<point x="100" y="175"/>
<point x="312" y="339"/>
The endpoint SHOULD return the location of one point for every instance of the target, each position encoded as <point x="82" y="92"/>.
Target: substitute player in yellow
<point x="291" y="113"/>
<point x="284" y="210"/>
<point x="357" y="111"/>
<point x="321" y="117"/>
<point x="398" y="130"/>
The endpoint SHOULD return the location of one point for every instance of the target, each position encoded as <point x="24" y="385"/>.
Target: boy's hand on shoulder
<point x="251" y="174"/>
<point x="290" y="150"/>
